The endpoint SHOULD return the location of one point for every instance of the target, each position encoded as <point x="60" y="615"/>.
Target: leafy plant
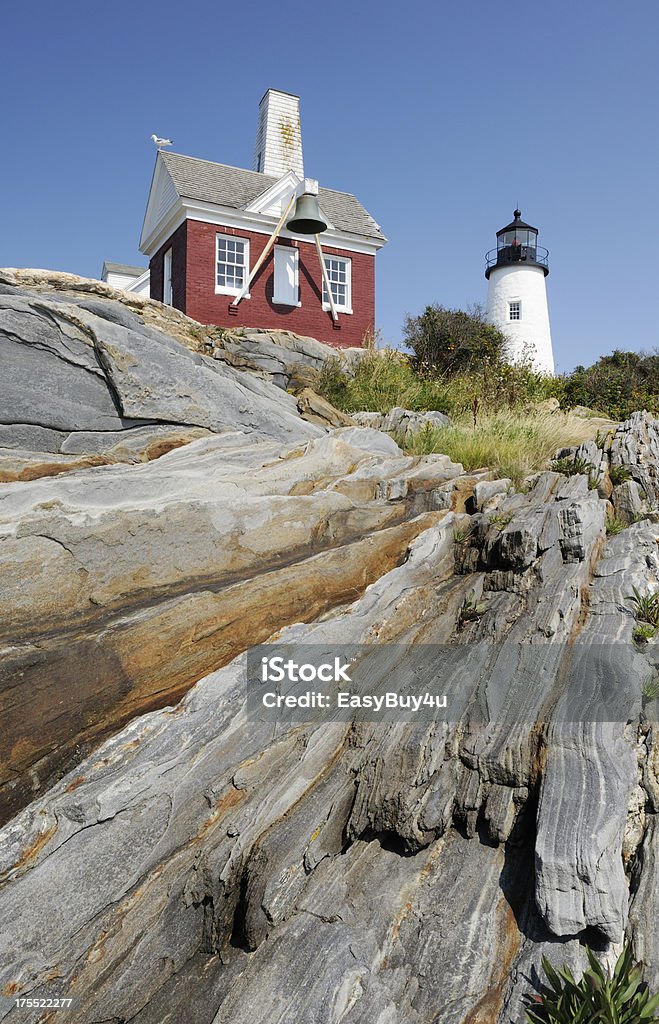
<point x="615" y="525"/>
<point x="572" y="466"/>
<point x="651" y="688"/>
<point x="460" y="535"/>
<point x="471" y="610"/>
<point x="598" y="998"/>
<point x="646" y="606"/>
<point x="619" y="474"/>
<point x="643" y="633"/>
<point x="500" y="520"/>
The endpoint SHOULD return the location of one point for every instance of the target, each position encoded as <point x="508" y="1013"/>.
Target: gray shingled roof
<point x="208" y="182"/>
<point x="123" y="268"/>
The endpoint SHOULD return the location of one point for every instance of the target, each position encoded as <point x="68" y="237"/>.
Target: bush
<point x="453" y="341"/>
<point x="616" y="385"/>
<point x="619" y="998"/>
<point x="388" y="378"/>
<point x="380" y="381"/>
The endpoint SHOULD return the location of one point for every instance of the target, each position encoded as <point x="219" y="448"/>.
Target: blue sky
<point x="440" y="117"/>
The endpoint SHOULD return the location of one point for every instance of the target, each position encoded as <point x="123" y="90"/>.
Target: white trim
<point x="287" y="251"/>
<point x="276" y="196"/>
<point x="137" y="283"/>
<point x="167" y="290"/>
<point x="229" y="218"/>
<point x="221" y="289"/>
<point x="161" y="182"/>
<point x="347" y="308"/>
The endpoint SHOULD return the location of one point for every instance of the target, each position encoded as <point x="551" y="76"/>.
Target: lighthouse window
<point x="515" y="310"/>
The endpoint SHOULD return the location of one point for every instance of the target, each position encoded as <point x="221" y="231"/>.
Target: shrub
<point x="380" y="381"/>
<point x="452" y="340"/>
<point x="617" y="384"/>
<point x="615" y="525"/>
<point x="619" y="998"/>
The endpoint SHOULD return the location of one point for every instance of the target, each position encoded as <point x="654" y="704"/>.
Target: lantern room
<point x="517" y="243"/>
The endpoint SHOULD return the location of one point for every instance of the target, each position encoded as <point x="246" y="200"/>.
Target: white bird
<point x="161" y="142"/>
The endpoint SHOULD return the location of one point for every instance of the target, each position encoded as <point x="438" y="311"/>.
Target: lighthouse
<point x="517" y="295"/>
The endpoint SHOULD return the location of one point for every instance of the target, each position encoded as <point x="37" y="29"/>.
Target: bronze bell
<point x="306" y="219"/>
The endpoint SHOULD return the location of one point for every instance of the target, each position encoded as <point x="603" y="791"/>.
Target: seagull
<point x="161" y="142"/>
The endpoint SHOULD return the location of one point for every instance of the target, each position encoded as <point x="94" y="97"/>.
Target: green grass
<point x="509" y="436"/>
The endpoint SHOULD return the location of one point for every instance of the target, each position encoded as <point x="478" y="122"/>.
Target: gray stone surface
<point x="402" y="423"/>
<point x="94" y="366"/>
<point x="191" y="862"/>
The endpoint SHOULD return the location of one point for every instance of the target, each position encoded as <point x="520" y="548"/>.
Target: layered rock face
<point x="167" y="856"/>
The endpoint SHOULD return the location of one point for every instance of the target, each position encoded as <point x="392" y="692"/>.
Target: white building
<point x="517" y="295"/>
<point x="131" y="279"/>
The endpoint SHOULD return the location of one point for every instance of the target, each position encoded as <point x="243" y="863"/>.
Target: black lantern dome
<point x="517" y="243"/>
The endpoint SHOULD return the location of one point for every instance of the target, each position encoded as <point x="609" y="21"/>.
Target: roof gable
<point x="272" y="202"/>
<point x="233" y="187"/>
<point x="163" y="197"/>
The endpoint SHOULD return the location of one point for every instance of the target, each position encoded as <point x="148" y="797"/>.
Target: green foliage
<point x="615" y="525"/>
<point x="381" y="381"/>
<point x="651" y="688"/>
<point x="643" y="632"/>
<point x="471" y="610"/>
<point x="617" y="384"/>
<point x="500" y="520"/>
<point x="598" y="998"/>
<point x="619" y="474"/>
<point x="646" y="606"/>
<point x="452" y="340"/>
<point x="572" y="466"/>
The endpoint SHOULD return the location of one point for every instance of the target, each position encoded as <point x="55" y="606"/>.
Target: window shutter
<point x="286" y="290"/>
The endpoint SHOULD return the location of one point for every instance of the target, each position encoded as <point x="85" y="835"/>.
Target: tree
<point x="454" y="341"/>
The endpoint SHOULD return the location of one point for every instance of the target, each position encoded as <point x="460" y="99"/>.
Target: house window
<point x="232" y="264"/>
<point x="515" y="310"/>
<point x="167" y="278"/>
<point x="286" y="291"/>
<point x="339" y="272"/>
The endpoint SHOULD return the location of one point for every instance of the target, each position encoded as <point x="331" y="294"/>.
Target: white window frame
<point x="167" y="292"/>
<point x="517" y="303"/>
<point x="286" y="250"/>
<point x="340" y="307"/>
<point x="221" y="289"/>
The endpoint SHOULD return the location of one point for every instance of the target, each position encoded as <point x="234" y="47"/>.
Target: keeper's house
<point x="220" y="251"/>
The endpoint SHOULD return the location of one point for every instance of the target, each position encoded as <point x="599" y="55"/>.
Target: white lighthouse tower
<point x="517" y="296"/>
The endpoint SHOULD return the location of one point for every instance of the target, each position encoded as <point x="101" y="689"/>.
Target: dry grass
<point x="512" y="443"/>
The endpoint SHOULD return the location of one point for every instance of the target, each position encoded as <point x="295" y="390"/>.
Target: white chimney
<point x="279" y="139"/>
